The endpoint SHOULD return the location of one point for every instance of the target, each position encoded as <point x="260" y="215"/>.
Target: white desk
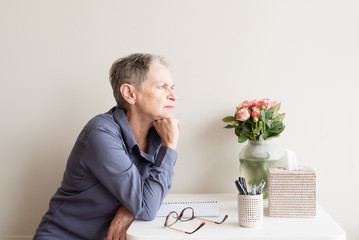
<point x="321" y="227"/>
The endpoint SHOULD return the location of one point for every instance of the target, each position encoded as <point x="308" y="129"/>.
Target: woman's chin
<point x="164" y="116"/>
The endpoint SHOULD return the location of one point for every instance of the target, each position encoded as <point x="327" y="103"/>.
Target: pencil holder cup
<point x="250" y="210"/>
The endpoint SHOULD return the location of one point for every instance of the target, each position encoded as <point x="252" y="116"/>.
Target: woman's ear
<point x="128" y="92"/>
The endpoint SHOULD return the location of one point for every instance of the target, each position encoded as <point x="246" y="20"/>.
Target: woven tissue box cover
<point x="291" y="193"/>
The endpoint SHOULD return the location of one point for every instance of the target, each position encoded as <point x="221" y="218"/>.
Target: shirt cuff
<point x="166" y="157"/>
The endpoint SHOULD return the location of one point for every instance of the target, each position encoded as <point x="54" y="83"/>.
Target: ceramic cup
<point x="250" y="210"/>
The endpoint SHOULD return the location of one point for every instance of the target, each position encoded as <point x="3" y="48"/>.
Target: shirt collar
<point x="154" y="139"/>
<point x="121" y="120"/>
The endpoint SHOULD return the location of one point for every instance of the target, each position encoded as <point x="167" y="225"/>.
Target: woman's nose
<point x="172" y="96"/>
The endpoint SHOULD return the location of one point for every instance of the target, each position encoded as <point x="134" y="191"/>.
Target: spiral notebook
<point x="201" y="208"/>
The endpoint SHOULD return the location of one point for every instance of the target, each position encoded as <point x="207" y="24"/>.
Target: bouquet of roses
<point x="256" y="120"/>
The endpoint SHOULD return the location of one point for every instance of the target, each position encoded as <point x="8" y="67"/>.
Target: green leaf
<point x="279" y="117"/>
<point x="266" y="115"/>
<point x="248" y="135"/>
<point x="229" y="126"/>
<point x="281" y="129"/>
<point x="275" y="114"/>
<point x="229" y="119"/>
<point x="277" y="130"/>
<point x="238" y="132"/>
<point x="269" y="114"/>
<point x="247" y="128"/>
<point x="275" y="108"/>
<point x="276" y="126"/>
<point x="242" y="138"/>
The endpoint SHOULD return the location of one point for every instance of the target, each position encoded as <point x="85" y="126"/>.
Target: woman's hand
<point x="119" y="225"/>
<point x="168" y="130"/>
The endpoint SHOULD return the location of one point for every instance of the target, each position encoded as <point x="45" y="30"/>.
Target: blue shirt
<point x="107" y="169"/>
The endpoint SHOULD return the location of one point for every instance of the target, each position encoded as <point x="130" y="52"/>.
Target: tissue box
<point x="292" y="193"/>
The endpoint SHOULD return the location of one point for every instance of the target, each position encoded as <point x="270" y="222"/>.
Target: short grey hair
<point x="133" y="70"/>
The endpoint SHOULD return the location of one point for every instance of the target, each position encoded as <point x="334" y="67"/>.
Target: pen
<point x="245" y="185"/>
<point x="242" y="180"/>
<point x="254" y="189"/>
<point x="261" y="187"/>
<point x="240" y="188"/>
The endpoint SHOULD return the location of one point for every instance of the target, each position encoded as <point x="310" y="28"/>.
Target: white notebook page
<point x="201" y="208"/>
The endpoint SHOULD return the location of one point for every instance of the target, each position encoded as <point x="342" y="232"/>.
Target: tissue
<point x="289" y="160"/>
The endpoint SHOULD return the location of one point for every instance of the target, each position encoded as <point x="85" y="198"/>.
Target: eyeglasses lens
<point x="187" y="214"/>
<point x="171" y="219"/>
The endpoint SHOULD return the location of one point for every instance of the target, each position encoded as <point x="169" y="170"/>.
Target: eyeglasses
<point x="186" y="214"/>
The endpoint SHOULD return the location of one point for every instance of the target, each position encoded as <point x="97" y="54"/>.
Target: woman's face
<point x="156" y="100"/>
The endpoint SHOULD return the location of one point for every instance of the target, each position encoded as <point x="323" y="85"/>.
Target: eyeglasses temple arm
<point x="224" y="219"/>
<point x="201" y="225"/>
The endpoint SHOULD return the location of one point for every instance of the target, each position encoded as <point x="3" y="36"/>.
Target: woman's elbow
<point x="147" y="215"/>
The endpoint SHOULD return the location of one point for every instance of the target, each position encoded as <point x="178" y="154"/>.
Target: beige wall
<point x="54" y="62"/>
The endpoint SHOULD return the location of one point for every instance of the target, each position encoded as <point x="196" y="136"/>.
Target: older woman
<point x="121" y="166"/>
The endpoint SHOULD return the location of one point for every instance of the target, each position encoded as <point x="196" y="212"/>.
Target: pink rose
<point x="274" y="103"/>
<point x="254" y="103"/>
<point x="266" y="103"/>
<point x="245" y="104"/>
<point x="243" y="114"/>
<point x="256" y="112"/>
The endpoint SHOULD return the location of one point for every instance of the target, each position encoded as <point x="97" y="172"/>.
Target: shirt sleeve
<point x="107" y="159"/>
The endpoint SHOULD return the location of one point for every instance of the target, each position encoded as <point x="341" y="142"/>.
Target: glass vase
<point x="254" y="159"/>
